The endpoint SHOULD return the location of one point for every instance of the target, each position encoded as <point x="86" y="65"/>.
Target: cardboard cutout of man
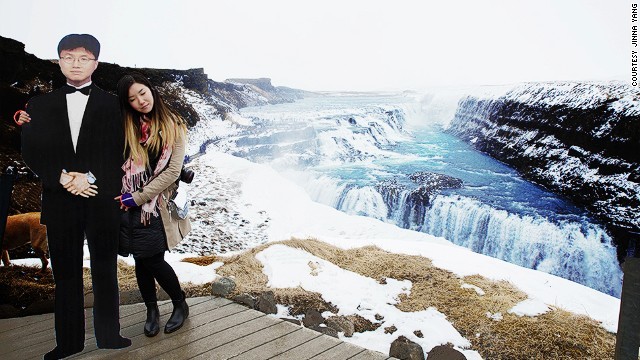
<point x="74" y="143"/>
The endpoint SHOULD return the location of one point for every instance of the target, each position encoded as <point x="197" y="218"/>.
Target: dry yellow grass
<point x="127" y="281"/>
<point x="126" y="278"/>
<point x="555" y="335"/>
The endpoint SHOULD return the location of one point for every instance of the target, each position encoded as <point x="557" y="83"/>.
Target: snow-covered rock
<point x="578" y="139"/>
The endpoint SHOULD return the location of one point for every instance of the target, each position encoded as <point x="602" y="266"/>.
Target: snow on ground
<point x="530" y="307"/>
<point x="355" y="294"/>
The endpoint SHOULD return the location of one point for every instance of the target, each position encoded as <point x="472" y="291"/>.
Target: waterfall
<point x="322" y="189"/>
<point x="578" y="251"/>
<point x="365" y="201"/>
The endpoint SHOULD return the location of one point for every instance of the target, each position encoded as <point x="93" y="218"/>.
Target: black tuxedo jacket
<point x="47" y="148"/>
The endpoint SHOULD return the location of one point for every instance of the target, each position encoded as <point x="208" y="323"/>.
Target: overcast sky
<point x="344" y="44"/>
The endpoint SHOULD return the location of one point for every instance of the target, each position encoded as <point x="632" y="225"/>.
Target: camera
<point x="186" y="175"/>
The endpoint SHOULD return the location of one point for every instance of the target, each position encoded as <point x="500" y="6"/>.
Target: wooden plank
<point x="46" y="341"/>
<point x="227" y="330"/>
<point x="128" y="310"/>
<point x="370" y="355"/>
<point x="31" y="341"/>
<point x="13" y="324"/>
<point x="40" y="328"/>
<point x="216" y="329"/>
<point x="130" y="326"/>
<point x="138" y="318"/>
<point x="184" y="341"/>
<point x="38" y="350"/>
<point x="244" y="341"/>
<point x="132" y="316"/>
<point x="310" y="349"/>
<point x="133" y="327"/>
<point x="131" y="319"/>
<point x="141" y="340"/>
<point x="342" y="351"/>
<point x="27" y="331"/>
<point x="297" y="339"/>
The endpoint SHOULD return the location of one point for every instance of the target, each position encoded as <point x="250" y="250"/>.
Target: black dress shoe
<point x="58" y="353"/>
<point x="152" y="325"/>
<point x="178" y="316"/>
<point x="118" y="343"/>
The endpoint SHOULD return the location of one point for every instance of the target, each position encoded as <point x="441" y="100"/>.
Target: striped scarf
<point x="136" y="177"/>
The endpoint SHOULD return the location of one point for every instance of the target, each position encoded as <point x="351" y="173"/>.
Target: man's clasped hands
<point x="78" y="184"/>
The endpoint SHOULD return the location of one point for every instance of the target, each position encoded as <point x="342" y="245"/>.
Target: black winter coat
<point x="138" y="239"/>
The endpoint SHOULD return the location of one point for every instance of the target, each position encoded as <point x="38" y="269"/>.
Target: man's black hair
<point x="74" y="41"/>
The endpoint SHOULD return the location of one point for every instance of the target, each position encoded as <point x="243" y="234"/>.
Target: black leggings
<point x="153" y="268"/>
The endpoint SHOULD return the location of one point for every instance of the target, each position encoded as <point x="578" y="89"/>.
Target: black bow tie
<point x="68" y="89"/>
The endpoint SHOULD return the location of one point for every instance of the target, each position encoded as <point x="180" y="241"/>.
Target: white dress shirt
<point x="76" y="104"/>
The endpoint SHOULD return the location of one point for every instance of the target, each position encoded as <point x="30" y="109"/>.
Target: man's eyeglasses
<point x="83" y="60"/>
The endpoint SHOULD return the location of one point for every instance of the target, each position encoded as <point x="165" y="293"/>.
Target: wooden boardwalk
<point x="216" y="329"/>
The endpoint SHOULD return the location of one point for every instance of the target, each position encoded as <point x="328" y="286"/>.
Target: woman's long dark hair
<point x="165" y="126"/>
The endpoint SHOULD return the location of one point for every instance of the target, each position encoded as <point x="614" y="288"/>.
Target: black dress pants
<point x="97" y="219"/>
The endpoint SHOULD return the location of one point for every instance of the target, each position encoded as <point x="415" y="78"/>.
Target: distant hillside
<point x="264" y="87"/>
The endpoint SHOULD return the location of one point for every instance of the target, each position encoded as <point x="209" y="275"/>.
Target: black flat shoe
<point x="118" y="343"/>
<point x="152" y="325"/>
<point x="178" y="316"/>
<point x="58" y="353"/>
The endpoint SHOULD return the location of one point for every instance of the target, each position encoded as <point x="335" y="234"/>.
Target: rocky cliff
<point x="581" y="140"/>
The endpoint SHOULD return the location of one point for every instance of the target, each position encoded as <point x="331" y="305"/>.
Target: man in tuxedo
<point x="74" y="142"/>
